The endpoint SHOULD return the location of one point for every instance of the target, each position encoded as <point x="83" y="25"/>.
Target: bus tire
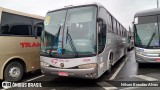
<point x="125" y="51"/>
<point x="13" y="71"/>
<point x="110" y="62"/>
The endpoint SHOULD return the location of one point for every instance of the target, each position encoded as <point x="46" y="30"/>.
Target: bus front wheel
<point x="110" y="62"/>
<point x="13" y="71"/>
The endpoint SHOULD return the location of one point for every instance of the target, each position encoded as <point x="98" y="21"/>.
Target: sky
<point x="122" y="10"/>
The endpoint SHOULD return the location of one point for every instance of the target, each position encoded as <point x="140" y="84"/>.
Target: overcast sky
<point x="123" y="10"/>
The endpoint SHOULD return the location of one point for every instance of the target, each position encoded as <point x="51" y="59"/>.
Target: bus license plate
<point x="63" y="73"/>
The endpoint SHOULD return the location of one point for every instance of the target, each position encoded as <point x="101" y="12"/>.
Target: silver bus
<point x="147" y="36"/>
<point x="81" y="41"/>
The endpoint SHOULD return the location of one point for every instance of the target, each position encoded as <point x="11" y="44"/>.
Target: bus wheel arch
<point x="15" y="67"/>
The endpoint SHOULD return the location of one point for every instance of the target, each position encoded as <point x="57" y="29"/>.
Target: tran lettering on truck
<point x="29" y="44"/>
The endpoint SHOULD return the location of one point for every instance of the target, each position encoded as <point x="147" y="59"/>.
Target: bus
<point x="19" y="49"/>
<point x="147" y="36"/>
<point x="81" y="41"/>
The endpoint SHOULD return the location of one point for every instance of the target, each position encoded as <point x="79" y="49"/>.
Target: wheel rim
<point x="14" y="72"/>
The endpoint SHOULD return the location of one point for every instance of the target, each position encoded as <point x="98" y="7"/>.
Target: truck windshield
<point x="146" y="32"/>
<point x="70" y="32"/>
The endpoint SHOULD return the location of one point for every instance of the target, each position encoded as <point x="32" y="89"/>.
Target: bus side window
<point x="17" y="24"/>
<point x="102" y="32"/>
<point x="5" y="29"/>
<point x="20" y="30"/>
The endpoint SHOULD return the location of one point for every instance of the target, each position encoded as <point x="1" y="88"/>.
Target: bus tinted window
<point x="16" y="30"/>
<point x="5" y="29"/>
<point x="106" y="16"/>
<point x="20" y="30"/>
<point x="8" y="18"/>
<point x="15" y="24"/>
<point x="109" y="23"/>
<point x="114" y="26"/>
<point x="102" y="38"/>
<point x="118" y="28"/>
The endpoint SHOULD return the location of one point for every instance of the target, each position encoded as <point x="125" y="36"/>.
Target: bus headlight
<point x="44" y="64"/>
<point x="140" y="51"/>
<point x="86" y="66"/>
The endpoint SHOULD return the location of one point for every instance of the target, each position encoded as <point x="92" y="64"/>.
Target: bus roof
<point x="20" y="13"/>
<point x="81" y="4"/>
<point x="77" y="5"/>
<point x="148" y="12"/>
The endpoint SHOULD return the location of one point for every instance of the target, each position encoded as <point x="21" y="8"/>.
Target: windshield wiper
<point x="56" y="40"/>
<point x="69" y="38"/>
<point x="151" y="39"/>
<point x="57" y="35"/>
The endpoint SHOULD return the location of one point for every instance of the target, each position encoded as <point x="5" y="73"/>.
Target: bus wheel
<point x="13" y="71"/>
<point x="110" y="62"/>
<point x="125" y="51"/>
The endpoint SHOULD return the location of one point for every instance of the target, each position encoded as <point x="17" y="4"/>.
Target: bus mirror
<point x="37" y="25"/>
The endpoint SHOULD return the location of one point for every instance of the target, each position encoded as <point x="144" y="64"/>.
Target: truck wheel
<point x="13" y="71"/>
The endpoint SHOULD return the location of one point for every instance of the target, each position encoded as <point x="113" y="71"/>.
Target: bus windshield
<point x="146" y="32"/>
<point x="70" y="32"/>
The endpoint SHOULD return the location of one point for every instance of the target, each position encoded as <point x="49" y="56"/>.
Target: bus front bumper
<point x="91" y="73"/>
<point x="146" y="59"/>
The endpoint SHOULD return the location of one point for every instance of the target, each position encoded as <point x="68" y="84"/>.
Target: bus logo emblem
<point x="54" y="61"/>
<point x="62" y="65"/>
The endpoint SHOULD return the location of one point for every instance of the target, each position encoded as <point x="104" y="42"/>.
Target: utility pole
<point x="157" y="4"/>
